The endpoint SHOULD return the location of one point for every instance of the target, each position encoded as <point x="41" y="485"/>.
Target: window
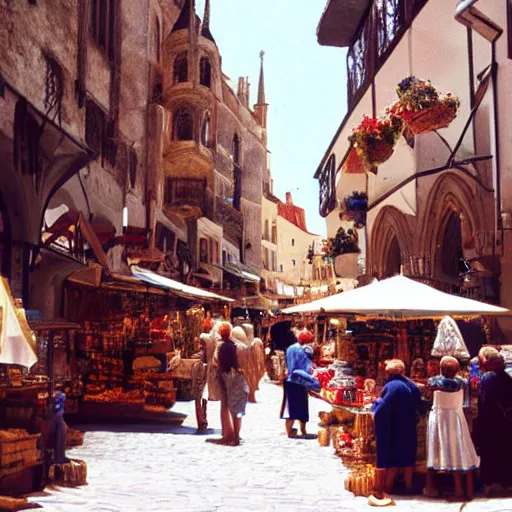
<point x="358" y="63"/>
<point x="183" y="125"/>
<point x="266" y="259"/>
<point x="274" y="261"/>
<point x="203" y="250"/>
<point x="224" y="256"/>
<point x="237" y="173"/>
<point x="327" y="182"/>
<point x="180" y="69"/>
<point x="281" y="267"/>
<point x="293" y="242"/>
<point x="156" y="40"/>
<point x="274" y="233"/>
<point x="102" y="25"/>
<point x="26" y="152"/>
<point x="133" y="167"/>
<point x="205" y="72"/>
<point x="214" y="251"/>
<point x="95" y="126"/>
<point x="205" y="131"/>
<point x="293" y="263"/>
<point x="53" y="89"/>
<point x="100" y="133"/>
<point x="389" y="22"/>
<point x="266" y="233"/>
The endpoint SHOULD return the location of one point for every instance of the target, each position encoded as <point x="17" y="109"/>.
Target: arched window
<point x="205" y="131"/>
<point x="237" y="173"/>
<point x="293" y="242"/>
<point x="393" y="259"/>
<point x="183" y="125"/>
<point x="451" y="249"/>
<point x="156" y="40"/>
<point x="266" y="234"/>
<point x="180" y="70"/>
<point x="327" y="181"/>
<point x="205" y="72"/>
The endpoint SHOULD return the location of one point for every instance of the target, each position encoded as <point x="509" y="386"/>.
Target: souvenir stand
<point x="133" y="347"/>
<point x="393" y="318"/>
<point x="23" y="403"/>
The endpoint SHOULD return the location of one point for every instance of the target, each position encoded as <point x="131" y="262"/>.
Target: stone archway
<point x="453" y="216"/>
<point x="390" y="244"/>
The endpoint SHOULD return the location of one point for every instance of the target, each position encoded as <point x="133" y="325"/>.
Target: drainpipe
<point x="475" y="20"/>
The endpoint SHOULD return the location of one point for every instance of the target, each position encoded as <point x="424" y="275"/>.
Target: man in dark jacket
<point x="395" y="415"/>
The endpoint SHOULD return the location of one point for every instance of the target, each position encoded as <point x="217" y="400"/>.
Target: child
<point x="450" y="448"/>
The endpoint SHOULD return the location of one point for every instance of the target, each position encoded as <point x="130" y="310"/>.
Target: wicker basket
<point x="20" y="451"/>
<point x="430" y="119"/>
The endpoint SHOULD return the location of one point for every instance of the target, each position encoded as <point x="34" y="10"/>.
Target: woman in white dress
<point x="450" y="448"/>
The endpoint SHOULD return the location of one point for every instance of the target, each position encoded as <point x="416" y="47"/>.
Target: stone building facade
<point x="110" y="151"/>
<point x="439" y="208"/>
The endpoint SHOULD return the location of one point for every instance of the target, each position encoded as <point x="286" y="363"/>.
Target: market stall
<point x="24" y="401"/>
<point x="131" y="354"/>
<point x="393" y="318"/>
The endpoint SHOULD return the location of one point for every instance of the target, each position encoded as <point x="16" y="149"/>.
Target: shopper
<point x="450" y="448"/>
<point x="199" y="378"/>
<point x="235" y="389"/>
<point x="395" y="415"/>
<point x="494" y="426"/>
<point x="295" y="397"/>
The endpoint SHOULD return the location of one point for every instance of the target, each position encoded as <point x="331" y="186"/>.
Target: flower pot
<point x="345" y="265"/>
<point x="354" y="164"/>
<point x="430" y="119"/>
<point x="379" y="152"/>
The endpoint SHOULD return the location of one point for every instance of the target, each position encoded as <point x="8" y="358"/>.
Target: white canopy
<point x="188" y="291"/>
<point x="16" y="343"/>
<point x="397" y="296"/>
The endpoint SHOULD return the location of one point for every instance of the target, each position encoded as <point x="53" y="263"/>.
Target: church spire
<point x="205" y="29"/>
<point x="261" y="86"/>
<point x="183" y="21"/>
<point x="261" y="108"/>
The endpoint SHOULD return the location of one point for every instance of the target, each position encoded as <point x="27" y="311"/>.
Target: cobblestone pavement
<point x="157" y="469"/>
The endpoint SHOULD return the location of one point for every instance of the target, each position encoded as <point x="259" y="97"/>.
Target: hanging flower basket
<point x="345" y="242"/>
<point x="353" y="163"/>
<point x="422" y="108"/>
<point x="356" y="205"/>
<point x="375" y="138"/>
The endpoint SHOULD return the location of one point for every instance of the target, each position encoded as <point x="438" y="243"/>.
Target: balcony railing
<point x="187" y="193"/>
<point x="230" y="219"/>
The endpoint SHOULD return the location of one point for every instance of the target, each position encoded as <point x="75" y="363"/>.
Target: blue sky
<point x="305" y="85"/>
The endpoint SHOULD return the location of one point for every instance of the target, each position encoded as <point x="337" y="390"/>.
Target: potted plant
<point x="422" y="108"/>
<point x="375" y="138"/>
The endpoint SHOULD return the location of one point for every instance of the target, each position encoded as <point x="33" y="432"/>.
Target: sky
<point x="305" y="85"/>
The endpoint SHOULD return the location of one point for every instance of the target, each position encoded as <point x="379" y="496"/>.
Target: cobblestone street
<point x="154" y="469"/>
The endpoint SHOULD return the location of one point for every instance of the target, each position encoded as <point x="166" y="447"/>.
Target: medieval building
<point x="439" y="208"/>
<point x="123" y="143"/>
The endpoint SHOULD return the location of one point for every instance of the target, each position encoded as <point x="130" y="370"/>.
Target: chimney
<point x="289" y="199"/>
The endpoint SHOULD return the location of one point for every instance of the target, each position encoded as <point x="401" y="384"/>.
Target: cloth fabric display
<point x="449" y="340"/>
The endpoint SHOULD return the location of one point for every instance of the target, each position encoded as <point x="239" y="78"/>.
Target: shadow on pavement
<point x="144" y="428"/>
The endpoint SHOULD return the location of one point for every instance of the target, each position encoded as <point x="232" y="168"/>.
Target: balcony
<point x="187" y="197"/>
<point x="231" y="220"/>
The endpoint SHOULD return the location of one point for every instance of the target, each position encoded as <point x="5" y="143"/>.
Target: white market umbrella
<point x="397" y="296"/>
